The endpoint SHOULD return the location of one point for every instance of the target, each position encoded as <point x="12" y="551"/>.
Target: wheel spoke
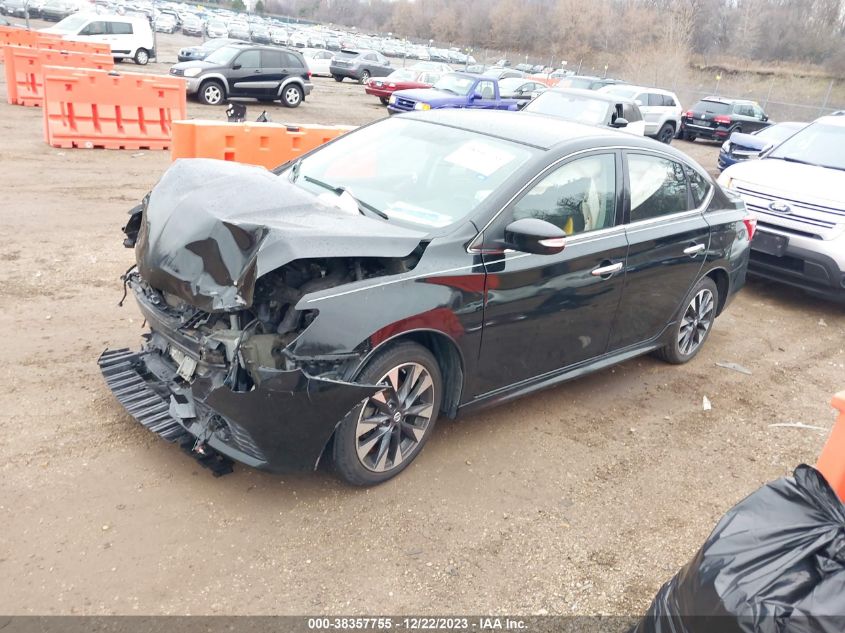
<point x="410" y="378"/>
<point x="412" y="431"/>
<point x="420" y="388"/>
<point x="365" y="448"/>
<point x="368" y="424"/>
<point x="381" y="457"/>
<point x="422" y="410"/>
<point x="393" y="378"/>
<point x="397" y="455"/>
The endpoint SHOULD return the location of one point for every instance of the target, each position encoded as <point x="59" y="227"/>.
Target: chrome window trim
<point x="472" y="248"/>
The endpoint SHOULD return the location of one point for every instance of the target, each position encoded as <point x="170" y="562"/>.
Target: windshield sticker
<point x="480" y="157"/>
<point x="412" y="213"/>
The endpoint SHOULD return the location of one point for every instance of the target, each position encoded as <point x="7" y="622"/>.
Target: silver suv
<point x="797" y="192"/>
<point x="661" y="109"/>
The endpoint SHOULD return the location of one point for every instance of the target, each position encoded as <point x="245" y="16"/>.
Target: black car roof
<point x="593" y="94"/>
<point x="526" y="128"/>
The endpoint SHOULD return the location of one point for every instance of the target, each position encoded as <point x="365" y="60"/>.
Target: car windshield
<point x="620" y="91"/>
<point x="456" y="84"/>
<point x="817" y="144"/>
<point x="223" y="55"/>
<point x="414" y="172"/>
<point x="70" y="24"/>
<point x="577" y="82"/>
<point x="779" y="131"/>
<point x="714" y="107"/>
<point x="212" y="45"/>
<point x="217" y="24"/>
<point x="570" y="107"/>
<point x="403" y="75"/>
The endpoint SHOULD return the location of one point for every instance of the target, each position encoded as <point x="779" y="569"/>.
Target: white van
<point x="130" y="37"/>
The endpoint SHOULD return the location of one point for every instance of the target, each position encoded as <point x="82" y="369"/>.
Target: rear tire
<point x="384" y="100"/>
<point x="365" y="77"/>
<point x="694" y="323"/>
<point x="689" y="136"/>
<point x="337" y="78"/>
<point x="142" y="56"/>
<point x="380" y="437"/>
<point x="292" y="96"/>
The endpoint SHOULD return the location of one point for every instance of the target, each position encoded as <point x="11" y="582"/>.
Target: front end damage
<point x="218" y="371"/>
<point x="216" y="387"/>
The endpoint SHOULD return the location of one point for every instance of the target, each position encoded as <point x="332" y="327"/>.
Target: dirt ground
<point x="580" y="500"/>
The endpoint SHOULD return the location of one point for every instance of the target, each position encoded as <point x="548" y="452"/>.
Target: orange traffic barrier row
<point x="72" y="46"/>
<point x="36" y="39"/>
<point x="24" y="83"/>
<point x="831" y="462"/>
<point x="265" y="144"/>
<point x="95" y="108"/>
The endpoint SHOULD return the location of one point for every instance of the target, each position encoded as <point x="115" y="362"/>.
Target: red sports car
<point x="403" y="79"/>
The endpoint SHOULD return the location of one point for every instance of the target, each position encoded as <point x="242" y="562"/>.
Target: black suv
<point x="244" y="70"/>
<point x="716" y="119"/>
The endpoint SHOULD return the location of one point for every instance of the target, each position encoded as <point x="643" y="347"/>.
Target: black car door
<point x="272" y="72"/>
<point x="667" y="244"/>
<point x="546" y="312"/>
<point x="245" y="75"/>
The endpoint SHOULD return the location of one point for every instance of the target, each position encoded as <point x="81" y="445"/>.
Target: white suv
<point x="661" y="109"/>
<point x="797" y="192"/>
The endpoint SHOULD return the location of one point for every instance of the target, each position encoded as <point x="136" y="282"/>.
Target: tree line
<point x="603" y="31"/>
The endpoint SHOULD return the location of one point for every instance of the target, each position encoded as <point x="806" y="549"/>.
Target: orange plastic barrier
<point x="24" y="84"/>
<point x="91" y="48"/>
<point x="22" y="37"/>
<point x="832" y="460"/>
<point x="96" y="108"/>
<point x="36" y="39"/>
<point x="265" y="144"/>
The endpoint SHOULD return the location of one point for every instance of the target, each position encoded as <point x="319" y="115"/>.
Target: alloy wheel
<point x="292" y="96"/>
<point x="212" y="94"/>
<point x="393" y="421"/>
<point x="696" y="322"/>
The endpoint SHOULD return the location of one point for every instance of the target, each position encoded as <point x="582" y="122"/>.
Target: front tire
<point x="694" y="323"/>
<point x="689" y="136"/>
<point x="142" y="56"/>
<point x="384" y="100"/>
<point x="666" y="133"/>
<point x="380" y="437"/>
<point x="337" y="78"/>
<point x="365" y="77"/>
<point x="211" y="92"/>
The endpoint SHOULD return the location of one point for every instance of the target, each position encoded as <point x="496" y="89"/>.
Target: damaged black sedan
<point x="425" y="265"/>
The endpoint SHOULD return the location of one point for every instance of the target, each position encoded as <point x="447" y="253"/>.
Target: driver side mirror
<point x="619" y="122"/>
<point x="530" y="235"/>
<point x="237" y="67"/>
<point x="765" y="118"/>
<point x="475" y="96"/>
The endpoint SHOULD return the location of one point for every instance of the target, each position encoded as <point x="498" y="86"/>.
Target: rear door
<point x="546" y="312"/>
<point x="245" y="76"/>
<point x="273" y="71"/>
<point x="668" y="239"/>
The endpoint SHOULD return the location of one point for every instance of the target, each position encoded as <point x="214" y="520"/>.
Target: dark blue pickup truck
<point x="454" y="90"/>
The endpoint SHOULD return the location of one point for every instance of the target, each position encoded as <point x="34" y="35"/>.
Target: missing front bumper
<point x="281" y="425"/>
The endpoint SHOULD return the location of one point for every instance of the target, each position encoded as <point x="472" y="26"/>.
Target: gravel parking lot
<point x="580" y="500"/>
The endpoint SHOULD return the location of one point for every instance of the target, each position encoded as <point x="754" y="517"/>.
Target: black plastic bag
<point x="775" y="563"/>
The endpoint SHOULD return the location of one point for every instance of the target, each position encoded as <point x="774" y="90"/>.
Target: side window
<point x="271" y="59"/>
<point x="95" y="28"/>
<point x="290" y="61"/>
<point x="120" y="28"/>
<point x="249" y="59"/>
<point x="655" y="99"/>
<point x="485" y="89"/>
<point x="669" y="101"/>
<point x="370" y="57"/>
<point x="758" y="112"/>
<point x="658" y="187"/>
<point x="699" y="187"/>
<point x="630" y="113"/>
<point x="580" y="196"/>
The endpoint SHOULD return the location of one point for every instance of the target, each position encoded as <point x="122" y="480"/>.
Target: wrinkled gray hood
<point x="211" y="228"/>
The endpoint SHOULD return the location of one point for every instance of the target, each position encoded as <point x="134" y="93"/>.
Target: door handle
<point x="602" y="271"/>
<point x="694" y="250"/>
<point x="257" y="72"/>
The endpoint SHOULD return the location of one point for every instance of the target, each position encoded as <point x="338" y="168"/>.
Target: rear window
<point x="715" y="107"/>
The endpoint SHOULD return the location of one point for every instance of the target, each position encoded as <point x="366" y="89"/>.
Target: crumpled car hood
<point x="211" y="228"/>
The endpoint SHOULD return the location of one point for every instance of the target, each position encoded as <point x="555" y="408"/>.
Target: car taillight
<point x="688" y="114"/>
<point x="309" y="74"/>
<point x="750" y="223"/>
<point x="722" y="119"/>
